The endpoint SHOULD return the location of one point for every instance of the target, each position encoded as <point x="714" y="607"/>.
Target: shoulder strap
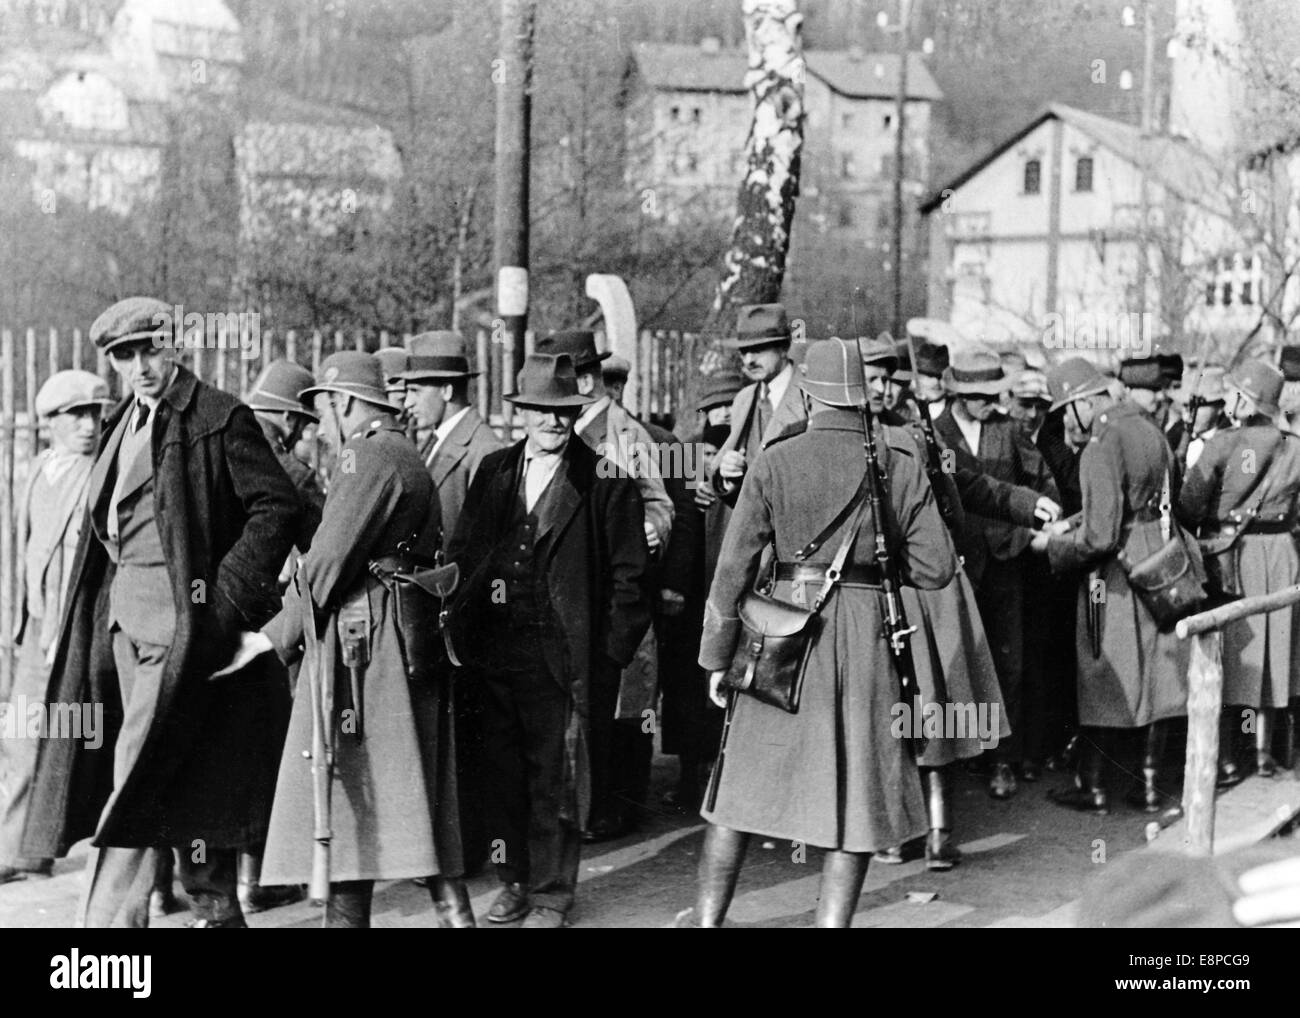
<point x="834" y="525"/>
<point x="1250" y="509"/>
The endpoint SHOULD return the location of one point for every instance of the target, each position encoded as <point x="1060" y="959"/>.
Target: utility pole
<point x="905" y="10"/>
<point x="1148" y="126"/>
<point x="512" y="72"/>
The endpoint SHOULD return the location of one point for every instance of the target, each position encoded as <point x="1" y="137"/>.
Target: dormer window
<point x="1033" y="176"/>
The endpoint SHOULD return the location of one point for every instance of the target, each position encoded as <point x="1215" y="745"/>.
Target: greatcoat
<point x="832" y="775"/>
<point x="1140" y="675"/>
<point x="395" y="808"/>
<point x="1259" y="652"/>
<point x="227" y="513"/>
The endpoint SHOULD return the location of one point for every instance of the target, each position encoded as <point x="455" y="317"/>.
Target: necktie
<point x="141" y="414"/>
<point x="763" y="414"/>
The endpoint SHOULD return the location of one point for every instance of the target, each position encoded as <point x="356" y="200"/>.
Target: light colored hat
<point x="1260" y="381"/>
<point x="277" y="387"/>
<point x="439" y="356"/>
<point x="832" y="373"/>
<point x="67" y="390"/>
<point x="132" y="320"/>
<point x="1031" y="384"/>
<point x="548" y="380"/>
<point x="979" y="374"/>
<point x="1074" y="379"/>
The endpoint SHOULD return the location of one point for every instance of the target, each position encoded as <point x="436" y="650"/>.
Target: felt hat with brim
<point x="1290" y="363"/>
<point x="276" y="389"/>
<point x="133" y="320"/>
<point x="548" y="381"/>
<point x="392" y="362"/>
<point x="70" y="390"/>
<point x="1210" y="386"/>
<point x="719" y="389"/>
<point x="1261" y="382"/>
<point x="1142" y="373"/>
<point x="979" y="374"/>
<point x="1074" y="379"/>
<point x="579" y="344"/>
<point x="903" y="373"/>
<point x="351" y="373"/>
<point x="832" y="373"/>
<point x="880" y="352"/>
<point x="759" y="325"/>
<point x="931" y="358"/>
<point x="1031" y="384"/>
<point x="440" y="356"/>
<point x="616" y="369"/>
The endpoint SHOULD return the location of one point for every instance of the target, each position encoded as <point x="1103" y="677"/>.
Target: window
<point x="847" y="169"/>
<point x="676" y="113"/>
<point x="846" y="120"/>
<point x="846" y="215"/>
<point x="1227" y="293"/>
<point x="1033" y="176"/>
<point x="692" y="162"/>
<point x="1083" y="174"/>
<point x="695" y="114"/>
<point x="888" y="121"/>
<point x="1209" y="293"/>
<point x="1246" y="296"/>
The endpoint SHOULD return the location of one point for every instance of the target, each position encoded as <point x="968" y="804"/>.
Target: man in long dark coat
<point x="190" y="519"/>
<point x="552" y="551"/>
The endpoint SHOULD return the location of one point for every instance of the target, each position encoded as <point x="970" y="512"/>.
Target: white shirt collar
<point x="777" y="386"/>
<point x="447" y="426"/>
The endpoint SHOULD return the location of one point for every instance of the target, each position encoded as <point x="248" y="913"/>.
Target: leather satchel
<point x="1222" y="552"/>
<point x="1170" y="581"/>
<point x="420" y="596"/>
<point x="777" y="637"/>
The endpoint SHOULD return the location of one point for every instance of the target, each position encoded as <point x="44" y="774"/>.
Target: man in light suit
<point x="766" y="407"/>
<point x="436" y="377"/>
<point x="50" y="518"/>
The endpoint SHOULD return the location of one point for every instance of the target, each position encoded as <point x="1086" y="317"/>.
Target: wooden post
<point x="360" y="342"/>
<point x="291" y="346"/>
<point x="1204" y="703"/>
<point x="54" y="352"/>
<point x="29" y="379"/>
<point x="221" y="368"/>
<point x="8" y="559"/>
<point x="76" y="349"/>
<point x="317" y="343"/>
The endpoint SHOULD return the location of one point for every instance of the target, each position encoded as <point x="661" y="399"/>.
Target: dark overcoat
<point x="593" y="555"/>
<point x="1259" y="653"/>
<point x="227" y="514"/>
<point x="395" y="806"/>
<point x="1140" y="676"/>
<point x="833" y="775"/>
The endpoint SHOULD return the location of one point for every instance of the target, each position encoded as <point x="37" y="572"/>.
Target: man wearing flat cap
<point x="51" y="515"/>
<point x="395" y="810"/>
<point x="552" y="603"/>
<point x="992" y="443"/>
<point x="190" y="518"/>
<point x="436" y="378"/>
<point x="769" y="404"/>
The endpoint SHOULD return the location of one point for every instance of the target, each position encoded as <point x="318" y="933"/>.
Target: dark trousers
<point x="1001" y="599"/>
<point x="525" y="718"/>
<point x="621" y="752"/>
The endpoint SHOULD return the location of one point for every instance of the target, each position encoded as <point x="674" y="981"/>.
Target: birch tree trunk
<point x="754" y="266"/>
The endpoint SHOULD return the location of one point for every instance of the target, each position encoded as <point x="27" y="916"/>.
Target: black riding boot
<point x="1148" y="797"/>
<point x="842" y="877"/>
<point x="451" y="904"/>
<point x="1090" y="794"/>
<point x="1265" y="765"/>
<point x="1230" y="772"/>
<point x="724" y="851"/>
<point x="940" y="852"/>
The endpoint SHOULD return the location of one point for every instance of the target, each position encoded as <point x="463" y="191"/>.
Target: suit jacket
<point x="1006" y="455"/>
<point x="226" y="513"/>
<point x="623" y="440"/>
<point x="790" y="410"/>
<point x="457" y="460"/>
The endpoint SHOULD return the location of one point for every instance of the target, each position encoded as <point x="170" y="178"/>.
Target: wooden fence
<point x="663" y="369"/>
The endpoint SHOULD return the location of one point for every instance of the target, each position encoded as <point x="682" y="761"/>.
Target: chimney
<point x="711" y="45"/>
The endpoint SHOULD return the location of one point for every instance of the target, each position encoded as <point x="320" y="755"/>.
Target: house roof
<point x="682" y="68"/>
<point x="1175" y="162"/>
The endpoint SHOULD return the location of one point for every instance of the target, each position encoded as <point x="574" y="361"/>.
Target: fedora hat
<point x="548" y="380"/>
<point x="436" y="356"/>
<point x="760" y="325"/>
<point x="276" y="389"/>
<point x="1074" y="379"/>
<point x="719" y="389"/>
<point x="68" y="390"/>
<point x="980" y="374"/>
<point x="392" y="362"/>
<point x="351" y="373"/>
<point x="1171" y="366"/>
<point x="903" y="373"/>
<point x="579" y="344"/>
<point x="1260" y="381"/>
<point x="832" y="373"/>
<point x="1031" y="384"/>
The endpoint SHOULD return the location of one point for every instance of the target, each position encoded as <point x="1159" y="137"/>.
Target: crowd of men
<point x="485" y="637"/>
